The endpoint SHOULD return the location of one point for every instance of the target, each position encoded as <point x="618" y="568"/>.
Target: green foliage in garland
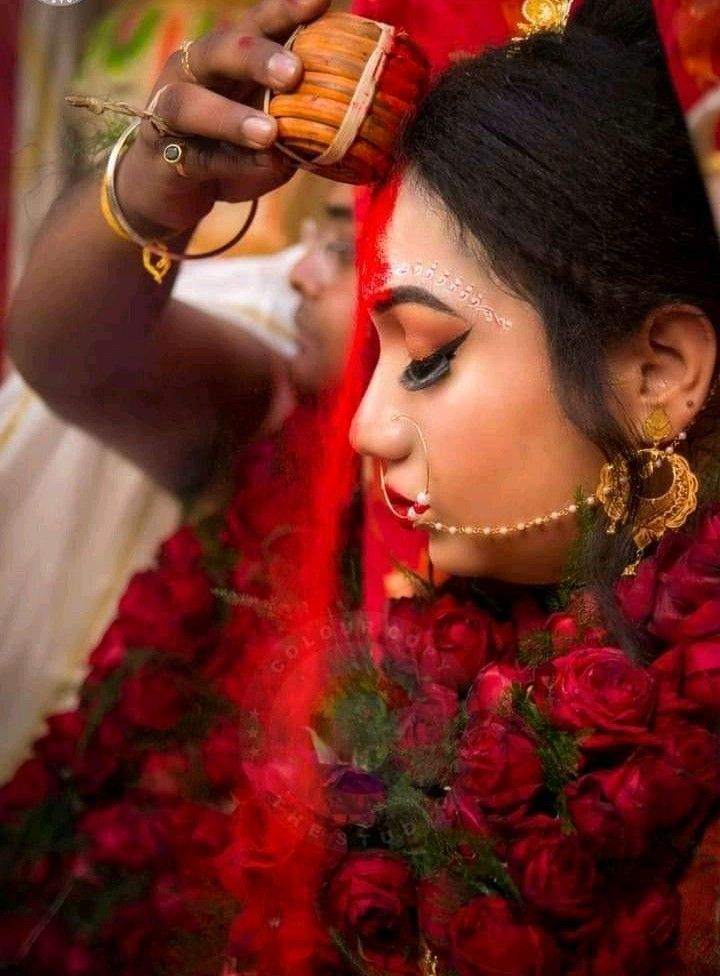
<point x="410" y="829"/>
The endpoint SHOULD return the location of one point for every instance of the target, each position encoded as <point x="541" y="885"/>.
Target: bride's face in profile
<point x="467" y="362"/>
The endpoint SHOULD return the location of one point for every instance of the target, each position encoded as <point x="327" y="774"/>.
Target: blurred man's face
<point x="325" y="279"/>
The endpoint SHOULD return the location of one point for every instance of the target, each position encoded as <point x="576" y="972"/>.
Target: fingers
<point x="208" y="160"/>
<point x="235" y="55"/>
<point x="279" y="18"/>
<point x="197" y="111"/>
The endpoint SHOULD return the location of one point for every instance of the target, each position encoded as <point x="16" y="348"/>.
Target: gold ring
<point x="185" y="62"/>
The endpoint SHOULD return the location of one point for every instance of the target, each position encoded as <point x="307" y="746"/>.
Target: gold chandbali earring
<point x="422" y="503"/>
<point x="671" y="487"/>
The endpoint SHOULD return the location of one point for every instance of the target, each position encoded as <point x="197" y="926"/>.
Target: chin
<point x="459" y="556"/>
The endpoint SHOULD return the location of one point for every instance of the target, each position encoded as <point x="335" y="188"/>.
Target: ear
<point x="669" y="362"/>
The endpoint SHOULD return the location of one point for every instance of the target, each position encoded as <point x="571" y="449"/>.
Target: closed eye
<point x="422" y="373"/>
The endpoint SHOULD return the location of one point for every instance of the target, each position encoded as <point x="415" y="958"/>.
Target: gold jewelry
<point x="185" y="62"/>
<point x="107" y="213"/>
<point x="541" y="15"/>
<point x="669" y="507"/>
<point x="422" y="503"/>
<point x="422" y="500"/>
<point x="173" y="155"/>
<point x="156" y="256"/>
<point x="658" y="426"/>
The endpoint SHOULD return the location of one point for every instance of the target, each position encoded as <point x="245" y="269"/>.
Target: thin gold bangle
<point x="157" y="257"/>
<point x="107" y="213"/>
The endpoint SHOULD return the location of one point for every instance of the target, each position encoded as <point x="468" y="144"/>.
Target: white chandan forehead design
<point x="464" y="293"/>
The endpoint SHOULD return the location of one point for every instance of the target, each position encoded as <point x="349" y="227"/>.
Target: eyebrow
<point x="338" y="211"/>
<point x="412" y="295"/>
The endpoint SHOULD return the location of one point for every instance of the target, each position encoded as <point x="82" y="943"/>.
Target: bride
<point x="519" y="777"/>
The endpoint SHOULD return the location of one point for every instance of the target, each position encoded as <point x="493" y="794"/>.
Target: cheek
<point x="489" y="412"/>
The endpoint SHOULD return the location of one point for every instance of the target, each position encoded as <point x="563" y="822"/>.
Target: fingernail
<point x="264" y="160"/>
<point x="283" y="67"/>
<point x="258" y="129"/>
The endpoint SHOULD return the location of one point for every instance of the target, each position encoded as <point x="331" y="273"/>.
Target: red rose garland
<point x="507" y="789"/>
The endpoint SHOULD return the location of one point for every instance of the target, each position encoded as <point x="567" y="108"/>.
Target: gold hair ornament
<point x="544" y="15"/>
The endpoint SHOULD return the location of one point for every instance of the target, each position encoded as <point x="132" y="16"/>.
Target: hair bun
<point x="627" y="22"/>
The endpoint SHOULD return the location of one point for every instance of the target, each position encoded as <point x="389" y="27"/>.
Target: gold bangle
<point x="107" y="213"/>
<point x="157" y="258"/>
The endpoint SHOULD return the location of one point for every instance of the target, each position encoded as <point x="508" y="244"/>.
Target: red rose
<point x="29" y="787"/>
<point x="528" y="617"/>
<point x="163" y="773"/>
<point x="132" y="931"/>
<point x="555" y="873"/>
<point x="59" y="745"/>
<point x="105" y="750"/>
<point x="462" y="636"/>
<point x="498" y="765"/>
<point x="222" y="755"/>
<point x="445" y="643"/>
<point x="125" y="835"/>
<point x="491" y="689"/>
<point x="42" y="945"/>
<point x="694" y="753"/>
<point x="636" y="594"/>
<point x="168" y="611"/>
<point x="667" y="671"/>
<point x="461" y="809"/>
<point x="598" y="821"/>
<point x="564" y="632"/>
<point x="599" y="689"/>
<point x="635" y="943"/>
<point x="182" y="903"/>
<point x="109" y="654"/>
<point x="487" y="940"/>
<point x="701" y="676"/>
<point x="182" y="552"/>
<point x="646" y="792"/>
<point x="198" y="830"/>
<point x="371" y="901"/>
<point x="423" y="728"/>
<point x="687" y="604"/>
<point x="438" y="901"/>
<point x="153" y="698"/>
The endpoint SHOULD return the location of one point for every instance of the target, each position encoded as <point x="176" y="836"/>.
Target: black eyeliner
<point x="421" y="373"/>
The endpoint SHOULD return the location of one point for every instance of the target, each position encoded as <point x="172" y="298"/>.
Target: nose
<point x="375" y="430"/>
<point x="302" y="278"/>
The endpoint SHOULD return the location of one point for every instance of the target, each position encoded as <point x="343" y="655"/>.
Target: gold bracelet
<point x="157" y="258"/>
<point x="108" y="214"/>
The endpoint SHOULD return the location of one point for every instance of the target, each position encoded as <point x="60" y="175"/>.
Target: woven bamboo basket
<point x="361" y="82"/>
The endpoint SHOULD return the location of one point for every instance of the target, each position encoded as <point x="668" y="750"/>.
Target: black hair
<point x="566" y="158"/>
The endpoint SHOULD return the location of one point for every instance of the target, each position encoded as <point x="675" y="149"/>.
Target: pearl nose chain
<point x="422" y="503"/>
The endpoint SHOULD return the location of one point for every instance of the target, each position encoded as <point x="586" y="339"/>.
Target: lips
<point x="403" y="505"/>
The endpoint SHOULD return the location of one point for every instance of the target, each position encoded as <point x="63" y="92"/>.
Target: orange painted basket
<point x="362" y="81"/>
